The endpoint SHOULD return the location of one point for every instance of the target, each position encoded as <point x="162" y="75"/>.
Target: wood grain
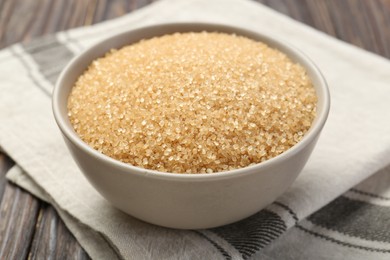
<point x="18" y="214"/>
<point x="5" y="165"/>
<point x="52" y="239"/>
<point x="28" y="19"/>
<point x="365" y="24"/>
<point x="32" y="229"/>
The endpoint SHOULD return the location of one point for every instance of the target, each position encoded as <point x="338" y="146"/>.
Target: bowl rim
<point x="271" y="41"/>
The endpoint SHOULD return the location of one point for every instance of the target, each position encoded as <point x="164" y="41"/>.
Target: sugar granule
<point x="193" y="103"/>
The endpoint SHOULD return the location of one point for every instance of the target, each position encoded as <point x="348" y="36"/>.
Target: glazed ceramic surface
<point x="187" y="201"/>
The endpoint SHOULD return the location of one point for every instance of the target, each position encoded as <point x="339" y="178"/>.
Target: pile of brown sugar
<point x="193" y="103"/>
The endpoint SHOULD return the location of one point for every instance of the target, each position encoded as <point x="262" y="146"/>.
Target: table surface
<point x="30" y="228"/>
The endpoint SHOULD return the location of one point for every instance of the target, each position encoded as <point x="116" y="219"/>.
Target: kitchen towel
<point x="301" y="224"/>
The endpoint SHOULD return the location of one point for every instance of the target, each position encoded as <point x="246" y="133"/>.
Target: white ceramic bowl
<point x="187" y="201"/>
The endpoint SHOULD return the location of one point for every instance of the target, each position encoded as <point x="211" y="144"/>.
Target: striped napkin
<point x="339" y="207"/>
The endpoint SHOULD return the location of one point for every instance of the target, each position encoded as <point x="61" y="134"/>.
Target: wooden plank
<point x="31" y="228"/>
<point x="5" y="164"/>
<point x="52" y="240"/>
<point x="25" y="20"/>
<point x="18" y="215"/>
<point x="362" y="23"/>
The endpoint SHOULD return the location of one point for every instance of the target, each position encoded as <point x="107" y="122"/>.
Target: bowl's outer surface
<point x="183" y="200"/>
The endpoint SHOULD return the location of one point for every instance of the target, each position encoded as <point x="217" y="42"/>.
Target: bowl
<point x="187" y="201"/>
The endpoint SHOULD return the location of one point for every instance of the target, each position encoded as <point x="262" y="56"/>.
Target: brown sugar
<point x="193" y="103"/>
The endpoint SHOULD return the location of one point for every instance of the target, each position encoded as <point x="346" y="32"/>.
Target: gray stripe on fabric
<point x="288" y="209"/>
<point x="341" y="243"/>
<point x="355" y="218"/>
<point x="369" y="194"/>
<point x="50" y="55"/>
<point x="251" y="234"/>
<point x="75" y="41"/>
<point x="223" y="252"/>
<point x="29" y="71"/>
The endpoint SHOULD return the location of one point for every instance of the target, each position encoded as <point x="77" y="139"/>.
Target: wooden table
<point x="30" y="228"/>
